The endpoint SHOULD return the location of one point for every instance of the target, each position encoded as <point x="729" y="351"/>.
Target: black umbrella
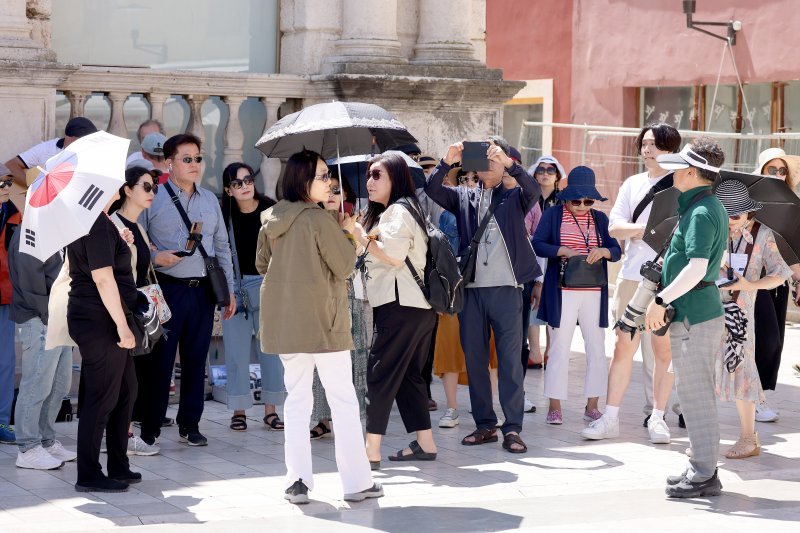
<point x="334" y="129"/>
<point x="354" y="169"/>
<point x="781" y="211"/>
<point x="662" y="219"/>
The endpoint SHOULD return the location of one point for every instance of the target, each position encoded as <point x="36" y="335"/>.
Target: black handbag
<point x="147" y="330"/>
<point x="216" y="276"/>
<point x="576" y="273"/>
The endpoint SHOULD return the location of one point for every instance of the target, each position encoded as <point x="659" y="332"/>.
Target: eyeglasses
<point x="197" y="159"/>
<point x="336" y="190"/>
<point x="550" y="171"/>
<point x="148" y="187"/>
<point x="466" y="179"/>
<point x="239" y="183"/>
<point x="375" y="174"/>
<point x="775" y="171"/>
<point x="6" y="183"/>
<point x="586" y="201"/>
<point x="740" y="216"/>
<point x="324" y="178"/>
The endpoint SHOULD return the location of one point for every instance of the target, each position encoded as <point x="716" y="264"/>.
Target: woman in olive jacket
<point x="306" y="257"/>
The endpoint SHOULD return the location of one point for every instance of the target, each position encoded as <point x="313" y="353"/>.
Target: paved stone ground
<point x="562" y="484"/>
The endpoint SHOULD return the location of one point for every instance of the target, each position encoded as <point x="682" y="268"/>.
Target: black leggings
<point x="770" y="328"/>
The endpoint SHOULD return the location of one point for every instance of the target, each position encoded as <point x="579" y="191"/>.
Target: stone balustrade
<point x="156" y="86"/>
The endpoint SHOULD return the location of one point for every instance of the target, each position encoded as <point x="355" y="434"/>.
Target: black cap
<point x="79" y="127"/>
<point x="409" y="149"/>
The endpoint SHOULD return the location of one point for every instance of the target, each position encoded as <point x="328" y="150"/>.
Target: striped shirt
<point x="581" y="237"/>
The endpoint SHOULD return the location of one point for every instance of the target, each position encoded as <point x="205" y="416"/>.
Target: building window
<point x="671" y="105"/>
<point x="515" y="113"/>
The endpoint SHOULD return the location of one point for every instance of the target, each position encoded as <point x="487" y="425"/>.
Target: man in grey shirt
<point x="185" y="283"/>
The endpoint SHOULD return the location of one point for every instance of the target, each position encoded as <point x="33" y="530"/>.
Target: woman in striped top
<point x="575" y="229"/>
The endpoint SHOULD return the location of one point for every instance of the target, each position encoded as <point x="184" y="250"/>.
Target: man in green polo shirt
<point x="691" y="265"/>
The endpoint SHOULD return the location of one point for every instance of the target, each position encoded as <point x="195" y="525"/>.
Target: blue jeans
<point x="8" y="360"/>
<point x="237" y="335"/>
<point x="46" y="379"/>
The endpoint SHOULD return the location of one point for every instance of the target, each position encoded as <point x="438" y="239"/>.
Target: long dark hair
<point x="228" y="204"/>
<point x="402" y="186"/>
<point x="132" y="177"/>
<point x="299" y="175"/>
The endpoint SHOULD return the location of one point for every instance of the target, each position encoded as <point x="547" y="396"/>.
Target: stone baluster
<point x="270" y="166"/>
<point x="195" y="125"/>
<point x="116" y="125"/>
<point x="77" y="101"/>
<point x="157" y="101"/>
<point x="234" y="136"/>
<point x="447" y="43"/>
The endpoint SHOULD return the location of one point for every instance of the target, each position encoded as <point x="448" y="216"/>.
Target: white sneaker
<point x="765" y="414"/>
<point x="38" y="459"/>
<point x="529" y="407"/>
<point x="449" y="419"/>
<point x="59" y="452"/>
<point x="136" y="446"/>
<point x="659" y="432"/>
<point x="602" y="428"/>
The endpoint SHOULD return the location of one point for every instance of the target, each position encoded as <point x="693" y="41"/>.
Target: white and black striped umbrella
<point x="334" y="129"/>
<point x="735" y="335"/>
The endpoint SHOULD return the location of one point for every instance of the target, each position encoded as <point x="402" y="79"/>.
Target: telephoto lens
<point x="632" y="320"/>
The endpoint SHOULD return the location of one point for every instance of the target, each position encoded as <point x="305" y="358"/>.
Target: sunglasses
<point x="197" y="159"/>
<point x="6" y="183"/>
<point x="740" y="216"/>
<point x="375" y="174"/>
<point x="336" y="190"/>
<point x="239" y="183"/>
<point x="550" y="171"/>
<point x="586" y="201"/>
<point x="148" y="188"/>
<point x="465" y="179"/>
<point x="324" y="178"/>
<point x="775" y="171"/>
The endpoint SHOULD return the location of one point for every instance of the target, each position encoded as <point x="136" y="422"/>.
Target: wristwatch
<point x="660" y="301"/>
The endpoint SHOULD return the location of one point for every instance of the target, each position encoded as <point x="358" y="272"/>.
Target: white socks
<point x="611" y="411"/>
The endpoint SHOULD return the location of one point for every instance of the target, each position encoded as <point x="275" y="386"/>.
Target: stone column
<point x="195" y="125"/>
<point x="157" y="105"/>
<point x="77" y="101"/>
<point x="15" y="34"/>
<point x="445" y="32"/>
<point x="116" y="124"/>
<point x="369" y="34"/>
<point x="234" y="136"/>
<point x="270" y="166"/>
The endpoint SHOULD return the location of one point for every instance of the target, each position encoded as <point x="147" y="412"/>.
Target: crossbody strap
<point x="696" y="199"/>
<point x="184" y="216"/>
<point x="747" y="250"/>
<point x="497" y="197"/>
<point x="420" y="221"/>
<point x="661" y="185"/>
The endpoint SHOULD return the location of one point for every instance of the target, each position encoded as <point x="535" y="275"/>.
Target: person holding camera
<point x="497" y="260"/>
<point x="691" y="267"/>
<point x="242" y="206"/>
<point x="575" y="240"/>
<point x="628" y="220"/>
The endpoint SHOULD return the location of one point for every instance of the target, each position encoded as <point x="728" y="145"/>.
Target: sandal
<point x="319" y="431"/>
<point x="481" y="436"/>
<point x="417" y="454"/>
<point x="239" y="423"/>
<point x="512" y="438"/>
<point x="273" y="422"/>
<point x="745" y="447"/>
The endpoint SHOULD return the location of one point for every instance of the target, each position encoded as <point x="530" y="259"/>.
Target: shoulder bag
<point x="576" y="273"/>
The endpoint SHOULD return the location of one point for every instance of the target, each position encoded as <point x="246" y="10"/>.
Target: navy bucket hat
<point x="580" y="184"/>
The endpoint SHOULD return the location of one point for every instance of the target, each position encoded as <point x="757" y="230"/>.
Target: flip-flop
<point x="417" y="454"/>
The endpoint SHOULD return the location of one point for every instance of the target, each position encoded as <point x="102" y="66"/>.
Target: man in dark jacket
<point x="46" y="374"/>
<point x="504" y="261"/>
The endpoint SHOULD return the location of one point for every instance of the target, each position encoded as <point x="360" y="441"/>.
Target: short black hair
<point x="709" y="149"/>
<point x="502" y="143"/>
<point x="298" y="176"/>
<point x="666" y="137"/>
<point x="172" y="144"/>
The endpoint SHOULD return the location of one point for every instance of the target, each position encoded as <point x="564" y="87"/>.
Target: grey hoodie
<point x="31" y="280"/>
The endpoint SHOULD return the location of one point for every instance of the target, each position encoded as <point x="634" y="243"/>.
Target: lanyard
<point x="586" y="236"/>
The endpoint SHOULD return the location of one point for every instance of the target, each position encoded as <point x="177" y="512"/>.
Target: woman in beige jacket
<point x="306" y="257"/>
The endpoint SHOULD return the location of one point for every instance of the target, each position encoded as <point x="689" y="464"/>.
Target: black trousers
<point x="400" y="344"/>
<point x="109" y="391"/>
<point x="427" y="370"/>
<point x="527" y="290"/>
<point x="190" y="328"/>
<point x="770" y="328"/>
<point x="145" y="409"/>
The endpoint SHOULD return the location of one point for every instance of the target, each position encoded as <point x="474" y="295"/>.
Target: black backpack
<point x="443" y="285"/>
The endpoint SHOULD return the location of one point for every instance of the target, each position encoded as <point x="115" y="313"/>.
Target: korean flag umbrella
<point x="72" y="189"/>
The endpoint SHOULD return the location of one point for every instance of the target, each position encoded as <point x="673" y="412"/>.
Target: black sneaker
<point x="192" y="437"/>
<point x="297" y="493"/>
<point x="375" y="491"/>
<point x="690" y="489"/>
<point x="681" y="421"/>
<point x="102" y="485"/>
<point x="167" y="422"/>
<point x="128" y="477"/>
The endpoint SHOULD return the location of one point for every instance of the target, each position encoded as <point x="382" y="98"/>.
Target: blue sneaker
<point x="7" y="435"/>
